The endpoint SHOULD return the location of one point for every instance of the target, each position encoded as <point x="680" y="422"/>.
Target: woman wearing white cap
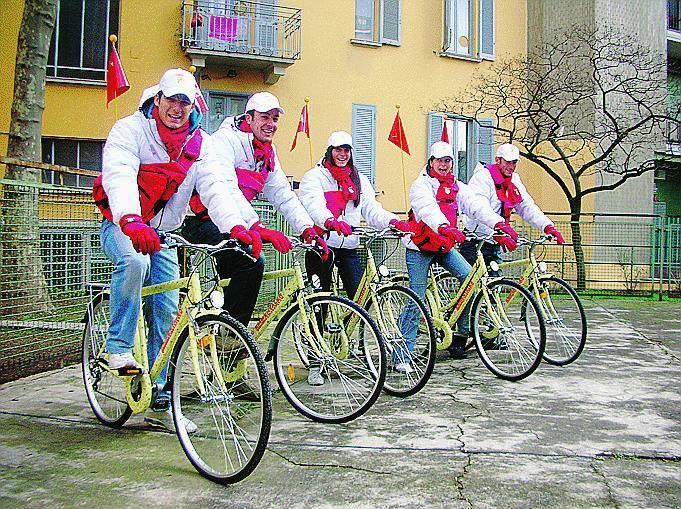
<point x="337" y="197"/>
<point x="436" y="197"/>
<point x="500" y="186"/>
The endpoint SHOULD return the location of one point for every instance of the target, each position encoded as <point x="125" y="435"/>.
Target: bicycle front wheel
<point x="409" y="334"/>
<point x="220" y="384"/>
<point x="338" y="342"/>
<point x="105" y="391"/>
<point x="565" y="320"/>
<point x="509" y="332"/>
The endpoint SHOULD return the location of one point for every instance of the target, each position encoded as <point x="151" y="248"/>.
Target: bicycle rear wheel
<point x="105" y="392"/>
<point x="565" y="319"/>
<point x="508" y="328"/>
<point x="400" y="315"/>
<point x="220" y="383"/>
<point x="350" y="357"/>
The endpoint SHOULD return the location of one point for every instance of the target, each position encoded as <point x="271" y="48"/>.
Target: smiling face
<point x="442" y="165"/>
<point x="341" y="155"/>
<point x="173" y="111"/>
<point x="263" y="125"/>
<point x="506" y="167"/>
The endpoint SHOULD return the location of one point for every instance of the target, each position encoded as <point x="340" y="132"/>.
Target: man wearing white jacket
<point x="500" y="186"/>
<point x="152" y="161"/>
<point x="245" y="143"/>
<point x="436" y="197"/>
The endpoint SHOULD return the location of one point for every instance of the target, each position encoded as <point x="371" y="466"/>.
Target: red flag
<point x="397" y="135"/>
<point x="116" y="80"/>
<point x="445" y="133"/>
<point x="303" y="126"/>
<point x="200" y="101"/>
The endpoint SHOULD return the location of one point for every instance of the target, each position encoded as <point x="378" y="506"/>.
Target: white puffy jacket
<point x="238" y="147"/>
<point x="134" y="140"/>
<point x="482" y="184"/>
<point x="422" y="198"/>
<point x="317" y="181"/>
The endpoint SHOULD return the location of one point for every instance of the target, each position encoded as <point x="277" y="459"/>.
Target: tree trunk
<point x="23" y="287"/>
<point x="575" y="216"/>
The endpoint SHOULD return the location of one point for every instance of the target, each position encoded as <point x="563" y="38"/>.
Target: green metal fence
<point x="49" y="252"/>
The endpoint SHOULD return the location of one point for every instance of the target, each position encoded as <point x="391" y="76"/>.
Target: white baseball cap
<point x="264" y="102"/>
<point x="508" y="152"/>
<point x="178" y="81"/>
<point x="441" y="149"/>
<point x="339" y="138"/>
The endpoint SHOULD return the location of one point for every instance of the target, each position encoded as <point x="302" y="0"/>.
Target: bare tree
<point x="588" y="108"/>
<point x="23" y="282"/>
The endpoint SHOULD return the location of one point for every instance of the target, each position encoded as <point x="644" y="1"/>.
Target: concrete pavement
<point x="603" y="432"/>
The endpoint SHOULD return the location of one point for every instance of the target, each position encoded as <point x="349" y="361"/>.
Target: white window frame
<point x="452" y="31"/>
<point x="377" y="37"/>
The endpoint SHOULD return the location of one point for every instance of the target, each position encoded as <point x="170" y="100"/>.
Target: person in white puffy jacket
<point x="152" y="161"/>
<point x="338" y="197"/>
<point x="245" y="144"/>
<point x="436" y="197"/>
<point x="500" y="186"/>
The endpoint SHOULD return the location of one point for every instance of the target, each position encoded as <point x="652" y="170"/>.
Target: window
<point x="220" y="106"/>
<point x="80" y="42"/>
<point x="472" y="141"/>
<point x="469" y="29"/>
<point x="673" y="14"/>
<point x="83" y="154"/>
<point x="389" y="26"/>
<point x="364" y="139"/>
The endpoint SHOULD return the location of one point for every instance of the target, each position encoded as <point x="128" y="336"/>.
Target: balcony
<point x="674" y="29"/>
<point x="236" y="33"/>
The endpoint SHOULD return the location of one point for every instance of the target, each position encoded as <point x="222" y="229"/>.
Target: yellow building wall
<point x="333" y="73"/>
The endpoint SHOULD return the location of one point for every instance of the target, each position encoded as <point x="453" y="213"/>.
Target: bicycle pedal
<point x="129" y="371"/>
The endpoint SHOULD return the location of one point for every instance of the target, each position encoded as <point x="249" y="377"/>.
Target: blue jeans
<point x="418" y="264"/>
<point x="132" y="270"/>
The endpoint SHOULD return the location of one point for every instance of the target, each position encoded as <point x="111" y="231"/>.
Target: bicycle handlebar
<point x="173" y="240"/>
<point x="373" y="233"/>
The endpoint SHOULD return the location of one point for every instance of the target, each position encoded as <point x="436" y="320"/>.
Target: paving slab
<point x="602" y="432"/>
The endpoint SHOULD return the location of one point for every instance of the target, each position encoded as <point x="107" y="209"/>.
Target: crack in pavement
<point x="325" y="465"/>
<point x="611" y="495"/>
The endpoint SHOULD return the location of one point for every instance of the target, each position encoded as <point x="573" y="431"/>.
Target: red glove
<point x="452" y="233"/>
<point x="144" y="239"/>
<point x="280" y="241"/>
<point x="311" y="236"/>
<point x="551" y="230"/>
<point x="341" y="227"/>
<point x="506" y="228"/>
<point x="402" y="226"/>
<point x="507" y="243"/>
<point x="248" y="237"/>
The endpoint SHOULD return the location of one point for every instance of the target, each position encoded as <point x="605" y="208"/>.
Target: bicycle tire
<point x="233" y="410"/>
<point x="566" y="325"/>
<point x="358" y="367"/>
<point x="504" y="350"/>
<point x="389" y="307"/>
<point x="105" y="392"/>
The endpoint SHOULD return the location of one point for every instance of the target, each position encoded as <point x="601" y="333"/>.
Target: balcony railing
<point x="674" y="15"/>
<point x="253" y="34"/>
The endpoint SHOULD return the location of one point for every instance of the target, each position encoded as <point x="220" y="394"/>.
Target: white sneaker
<point x="123" y="360"/>
<point x="404" y="367"/>
<point x="314" y="377"/>
<point x="164" y="419"/>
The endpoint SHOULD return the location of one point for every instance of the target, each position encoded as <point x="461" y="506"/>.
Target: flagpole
<point x="113" y="40"/>
<point x="404" y="176"/>
<point x="309" y="139"/>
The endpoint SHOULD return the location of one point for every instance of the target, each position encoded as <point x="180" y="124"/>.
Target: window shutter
<point x="391" y="21"/>
<point x="449" y="30"/>
<point x="434" y="130"/>
<point x="487" y="29"/>
<point x="484" y="144"/>
<point x="364" y="139"/>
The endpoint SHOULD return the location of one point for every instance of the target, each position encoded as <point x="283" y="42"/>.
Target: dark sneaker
<point x="457" y="352"/>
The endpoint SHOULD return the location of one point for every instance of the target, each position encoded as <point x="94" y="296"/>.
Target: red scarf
<point x="173" y="139"/>
<point x="446" y="195"/>
<point x="262" y="151"/>
<point x="507" y="192"/>
<point x="342" y="176"/>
